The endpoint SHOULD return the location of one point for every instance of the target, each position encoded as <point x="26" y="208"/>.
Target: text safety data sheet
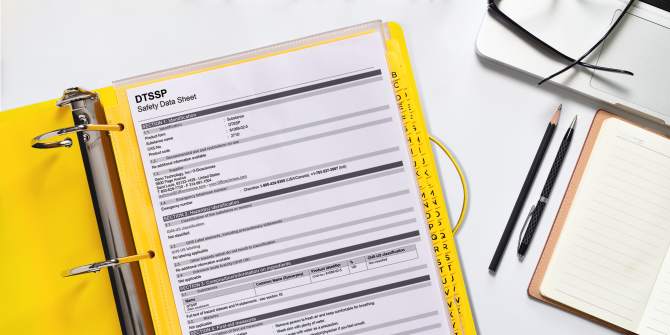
<point x="285" y="196"/>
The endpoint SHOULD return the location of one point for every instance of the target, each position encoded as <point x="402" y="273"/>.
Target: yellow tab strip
<point x="444" y="245"/>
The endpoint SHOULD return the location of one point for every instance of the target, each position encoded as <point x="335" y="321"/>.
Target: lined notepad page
<point x="612" y="259"/>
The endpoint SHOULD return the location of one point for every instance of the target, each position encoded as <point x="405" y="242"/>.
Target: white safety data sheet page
<point x="285" y="196"/>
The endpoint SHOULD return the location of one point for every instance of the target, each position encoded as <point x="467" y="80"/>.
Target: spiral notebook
<point x="608" y="254"/>
<point x="289" y="190"/>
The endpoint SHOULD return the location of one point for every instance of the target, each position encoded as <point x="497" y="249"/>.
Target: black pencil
<point x="521" y="200"/>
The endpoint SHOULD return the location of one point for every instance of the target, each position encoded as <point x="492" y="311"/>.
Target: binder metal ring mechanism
<point x="78" y="98"/>
<point x="95" y="267"/>
<point x="101" y="172"/>
<point x="92" y="131"/>
<point x="39" y="141"/>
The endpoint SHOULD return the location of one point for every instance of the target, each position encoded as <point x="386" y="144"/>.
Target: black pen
<point x="536" y="211"/>
<point x="523" y="194"/>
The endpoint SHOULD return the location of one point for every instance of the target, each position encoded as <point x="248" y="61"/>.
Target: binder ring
<point x="461" y="176"/>
<point x="96" y="267"/>
<point x="40" y="142"/>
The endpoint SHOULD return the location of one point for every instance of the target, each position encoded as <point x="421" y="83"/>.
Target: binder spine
<point x="95" y="146"/>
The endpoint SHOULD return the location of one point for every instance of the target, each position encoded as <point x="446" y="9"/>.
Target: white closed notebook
<point x="612" y="260"/>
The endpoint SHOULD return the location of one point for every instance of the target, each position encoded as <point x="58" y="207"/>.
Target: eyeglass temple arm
<point x="602" y="39"/>
<point x="493" y="6"/>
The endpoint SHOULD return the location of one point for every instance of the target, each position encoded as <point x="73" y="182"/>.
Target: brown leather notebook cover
<point x="555" y="233"/>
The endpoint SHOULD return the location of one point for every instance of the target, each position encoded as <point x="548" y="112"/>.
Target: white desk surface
<point x="493" y="118"/>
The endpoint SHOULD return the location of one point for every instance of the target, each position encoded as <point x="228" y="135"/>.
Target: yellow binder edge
<point x="142" y="222"/>
<point x="444" y="245"/>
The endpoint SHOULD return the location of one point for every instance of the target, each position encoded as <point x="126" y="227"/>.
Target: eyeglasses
<point x="498" y="14"/>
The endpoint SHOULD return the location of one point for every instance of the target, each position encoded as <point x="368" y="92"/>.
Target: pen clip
<point x="525" y="225"/>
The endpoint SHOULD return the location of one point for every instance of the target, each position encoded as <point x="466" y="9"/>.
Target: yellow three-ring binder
<point x="59" y="232"/>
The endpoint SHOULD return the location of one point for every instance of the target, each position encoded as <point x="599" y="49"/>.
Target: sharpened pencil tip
<point x="574" y="121"/>
<point x="557" y="115"/>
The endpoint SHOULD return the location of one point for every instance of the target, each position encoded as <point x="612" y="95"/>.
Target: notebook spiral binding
<point x="92" y="133"/>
